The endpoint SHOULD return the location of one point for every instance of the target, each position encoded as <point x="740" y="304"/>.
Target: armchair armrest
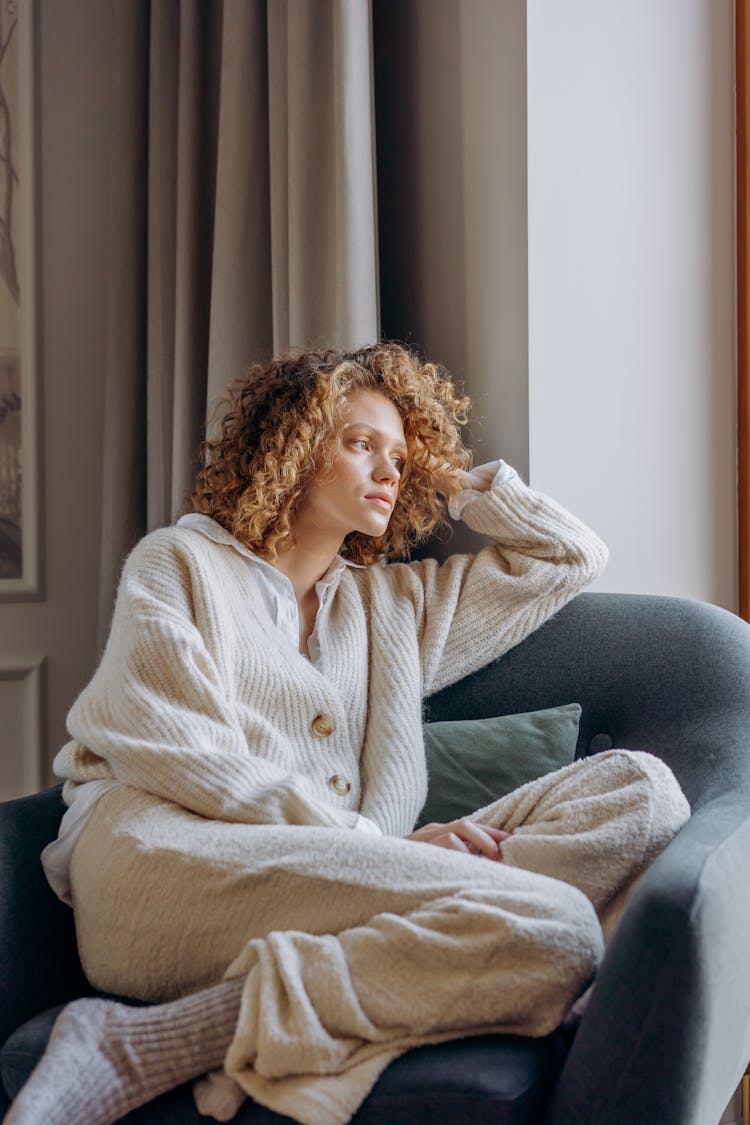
<point x="666" y="1036"/>
<point x="40" y="964"/>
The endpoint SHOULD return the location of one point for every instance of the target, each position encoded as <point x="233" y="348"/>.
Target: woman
<point x="246" y="767"/>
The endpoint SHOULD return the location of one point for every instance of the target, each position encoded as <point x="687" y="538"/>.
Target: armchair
<point x="666" y="1035"/>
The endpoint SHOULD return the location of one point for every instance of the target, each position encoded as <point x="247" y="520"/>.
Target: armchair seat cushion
<point x="487" y="1080"/>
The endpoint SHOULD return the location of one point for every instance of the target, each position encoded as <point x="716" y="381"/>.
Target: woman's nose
<point x="386" y="470"/>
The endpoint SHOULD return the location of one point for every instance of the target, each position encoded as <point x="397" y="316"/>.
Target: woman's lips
<point x="381" y="501"/>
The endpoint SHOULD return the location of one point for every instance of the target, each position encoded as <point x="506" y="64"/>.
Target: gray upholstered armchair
<point x="666" y="1035"/>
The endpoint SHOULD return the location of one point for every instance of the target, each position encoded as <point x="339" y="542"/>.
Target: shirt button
<point x="323" y="725"/>
<point x="339" y="784"/>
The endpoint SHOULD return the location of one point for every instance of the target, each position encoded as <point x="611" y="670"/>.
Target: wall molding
<point x="31" y="672"/>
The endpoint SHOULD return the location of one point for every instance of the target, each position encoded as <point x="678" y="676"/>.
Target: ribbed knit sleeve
<point x="474" y="608"/>
<point x="159" y="714"/>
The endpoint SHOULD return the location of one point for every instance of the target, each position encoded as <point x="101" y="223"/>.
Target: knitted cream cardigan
<point x="199" y="700"/>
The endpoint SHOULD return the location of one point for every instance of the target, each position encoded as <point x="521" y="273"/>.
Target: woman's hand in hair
<point x="479" y="478"/>
<point x="463" y="835"/>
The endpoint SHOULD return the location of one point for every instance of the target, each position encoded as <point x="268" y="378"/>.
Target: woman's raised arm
<point x="473" y="608"/>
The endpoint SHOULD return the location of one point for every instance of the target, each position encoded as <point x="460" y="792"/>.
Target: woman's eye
<point x="398" y="462"/>
<point x="360" y="443"/>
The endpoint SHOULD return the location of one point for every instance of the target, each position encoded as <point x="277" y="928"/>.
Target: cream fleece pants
<point x="355" y="948"/>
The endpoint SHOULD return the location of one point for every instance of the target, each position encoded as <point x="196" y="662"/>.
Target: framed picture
<point x="742" y="166"/>
<point x="19" y="420"/>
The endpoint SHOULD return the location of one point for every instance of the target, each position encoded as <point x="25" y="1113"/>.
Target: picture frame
<point x="20" y="563"/>
<point x="742" y="140"/>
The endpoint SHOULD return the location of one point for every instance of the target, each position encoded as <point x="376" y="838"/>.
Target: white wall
<point x="631" y="283"/>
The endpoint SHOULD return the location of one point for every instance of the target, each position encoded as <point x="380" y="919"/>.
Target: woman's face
<point x="359" y="491"/>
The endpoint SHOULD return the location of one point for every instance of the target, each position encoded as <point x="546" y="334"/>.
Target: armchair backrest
<point x="660" y="674"/>
<point x="666" y="675"/>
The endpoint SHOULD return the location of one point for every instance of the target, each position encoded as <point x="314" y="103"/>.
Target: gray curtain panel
<point x="242" y="222"/>
<point x="322" y="160"/>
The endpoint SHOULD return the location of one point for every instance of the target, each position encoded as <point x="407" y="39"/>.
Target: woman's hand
<point x="463" y="836"/>
<point x="479" y="478"/>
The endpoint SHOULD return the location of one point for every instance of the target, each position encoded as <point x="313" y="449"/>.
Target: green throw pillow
<point x="471" y="763"/>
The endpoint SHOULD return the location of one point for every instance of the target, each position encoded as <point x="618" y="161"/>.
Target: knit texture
<point x="199" y="700"/>
<point x="352" y="948"/>
<point x="104" y="1059"/>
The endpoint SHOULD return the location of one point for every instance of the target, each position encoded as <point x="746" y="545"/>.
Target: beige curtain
<point x="242" y="222"/>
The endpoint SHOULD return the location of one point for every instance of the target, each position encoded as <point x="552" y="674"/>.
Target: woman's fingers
<point x="479" y="478"/>
<point x="480" y="839"/>
<point x="463" y="835"/>
<point x="498" y="834"/>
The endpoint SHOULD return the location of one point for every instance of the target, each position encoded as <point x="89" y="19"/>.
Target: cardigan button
<point x="339" y="784"/>
<point x="323" y="725"/>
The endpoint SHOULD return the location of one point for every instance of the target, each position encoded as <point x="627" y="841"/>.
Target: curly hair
<point x="283" y="424"/>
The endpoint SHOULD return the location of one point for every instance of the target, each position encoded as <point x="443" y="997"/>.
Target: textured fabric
<point x="475" y="761"/>
<point x="105" y="1058"/>
<point x="277" y="596"/>
<point x="670" y="676"/>
<point x="199" y="700"/>
<point x="501" y="472"/>
<point x="275" y="588"/>
<point x="124" y="469"/>
<point x="278" y="599"/>
<point x="322" y="173"/>
<point x="666" y="1034"/>
<point x="488" y="1080"/>
<point x="358" y="949"/>
<point x="193" y="705"/>
<point x="56" y="856"/>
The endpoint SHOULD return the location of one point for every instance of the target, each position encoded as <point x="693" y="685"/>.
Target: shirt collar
<point x="213" y="530"/>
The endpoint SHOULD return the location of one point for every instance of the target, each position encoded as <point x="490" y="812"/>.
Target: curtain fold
<point x="241" y="266"/>
<point x="124" y="484"/>
<point x="323" y="222"/>
<point x="242" y="222"/>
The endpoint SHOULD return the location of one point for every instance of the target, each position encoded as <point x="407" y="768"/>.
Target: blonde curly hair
<point x="283" y="425"/>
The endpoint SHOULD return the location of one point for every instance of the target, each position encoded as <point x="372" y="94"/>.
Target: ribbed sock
<point x="104" y="1058"/>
